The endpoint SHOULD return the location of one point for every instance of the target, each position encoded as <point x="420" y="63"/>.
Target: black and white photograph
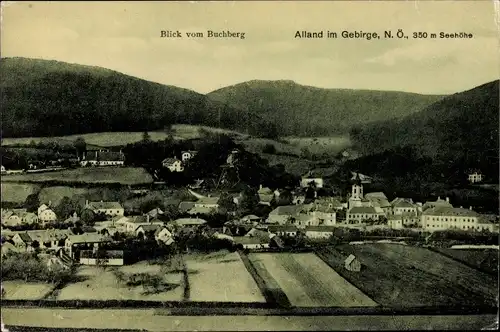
<point x="249" y="165"/>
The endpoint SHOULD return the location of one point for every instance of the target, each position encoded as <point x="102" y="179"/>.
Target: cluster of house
<point x="175" y="164"/>
<point x="15" y="217"/>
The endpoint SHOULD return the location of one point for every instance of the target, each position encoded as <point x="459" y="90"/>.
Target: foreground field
<point x="483" y="260"/>
<point x="20" y="290"/>
<point x="17" y="192"/>
<point x="404" y="276"/>
<point x="100" y="284"/>
<point x="221" y="277"/>
<point x="152" y="320"/>
<point x="308" y="281"/>
<point x="123" y="175"/>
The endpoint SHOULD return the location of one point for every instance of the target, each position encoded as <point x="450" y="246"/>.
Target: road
<point x="159" y="320"/>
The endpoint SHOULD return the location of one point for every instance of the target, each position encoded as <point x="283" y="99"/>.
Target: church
<point x="361" y="207"/>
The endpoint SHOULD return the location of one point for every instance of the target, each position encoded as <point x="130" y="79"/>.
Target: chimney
<point x="260" y="187"/>
<point x="50" y="203"/>
<point x="147" y="218"/>
<point x="439" y="198"/>
<point x="447" y="199"/>
<point x="470" y="208"/>
<point x="86" y="203"/>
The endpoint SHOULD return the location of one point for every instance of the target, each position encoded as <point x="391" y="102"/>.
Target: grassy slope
<point x="314" y="111"/>
<point x="50" y="98"/>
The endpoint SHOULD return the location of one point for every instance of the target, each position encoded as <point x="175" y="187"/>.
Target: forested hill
<point x="310" y="111"/>
<point x="51" y="98"/>
<point x="460" y="131"/>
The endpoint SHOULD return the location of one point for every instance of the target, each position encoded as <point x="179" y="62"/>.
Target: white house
<point x="164" y="235"/>
<point x="187" y="155"/>
<point x="173" y="164"/>
<point x="475" y="177"/>
<point x="45" y="214"/>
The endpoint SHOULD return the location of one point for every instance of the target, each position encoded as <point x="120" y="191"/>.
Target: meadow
<point x="483" y="260"/>
<point x="20" y="290"/>
<point x="104" y="175"/>
<point x="17" y="192"/>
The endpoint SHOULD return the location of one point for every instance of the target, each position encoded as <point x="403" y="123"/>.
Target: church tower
<point x="356" y="193"/>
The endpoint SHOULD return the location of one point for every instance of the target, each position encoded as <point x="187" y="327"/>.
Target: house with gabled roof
<point x="164" y="235"/>
<point x="173" y="164"/>
<point x="110" y="209"/>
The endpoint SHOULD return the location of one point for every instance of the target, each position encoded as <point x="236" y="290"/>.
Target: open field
<point x="404" y="276"/>
<point x="110" y="139"/>
<point x="152" y="320"/>
<point x="484" y="260"/>
<point x="318" y="145"/>
<point x="221" y="277"/>
<point x="100" y="284"/>
<point x="123" y="175"/>
<point x="293" y="165"/>
<point x="17" y="192"/>
<point x="20" y="290"/>
<point x="56" y="193"/>
<point x="308" y="281"/>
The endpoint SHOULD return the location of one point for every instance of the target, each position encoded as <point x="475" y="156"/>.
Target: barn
<point x="351" y="263"/>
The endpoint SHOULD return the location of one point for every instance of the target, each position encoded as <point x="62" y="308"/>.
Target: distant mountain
<point x="309" y="111"/>
<point x="51" y="98"/>
<point x="460" y="131"/>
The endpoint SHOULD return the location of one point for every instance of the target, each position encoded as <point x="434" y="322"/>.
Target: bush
<point x="269" y="148"/>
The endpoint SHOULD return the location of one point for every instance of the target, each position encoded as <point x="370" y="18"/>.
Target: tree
<point x="250" y="199"/>
<point x="65" y="208"/>
<point x="32" y="203"/>
<point x="226" y="202"/>
<point x="88" y="217"/>
<point x="146" y="137"/>
<point x="80" y="146"/>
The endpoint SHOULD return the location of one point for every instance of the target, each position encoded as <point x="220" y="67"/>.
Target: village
<point x="299" y="216"/>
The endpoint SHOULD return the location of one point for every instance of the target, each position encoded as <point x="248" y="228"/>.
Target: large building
<point x="108" y="208"/>
<point x="444" y="218"/>
<point x="103" y="158"/>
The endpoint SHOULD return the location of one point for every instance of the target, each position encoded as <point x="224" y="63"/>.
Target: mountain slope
<point x="460" y="130"/>
<point x="51" y="98"/>
<point x="311" y="111"/>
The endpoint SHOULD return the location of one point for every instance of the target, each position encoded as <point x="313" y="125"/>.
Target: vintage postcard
<point x="249" y="165"/>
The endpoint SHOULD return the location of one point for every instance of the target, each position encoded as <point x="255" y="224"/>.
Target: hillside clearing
<point x="56" y="193"/>
<point x="17" y="192"/>
<point x="123" y="175"/>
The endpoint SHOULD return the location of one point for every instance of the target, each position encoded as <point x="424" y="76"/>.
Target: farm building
<point x="108" y="208"/>
<point x="16" y="217"/>
<point x="251" y="242"/>
<point x="282" y="214"/>
<point x="188" y="222"/>
<point x="164" y="235"/>
<point x="311" y="179"/>
<point x="173" y="164"/>
<point x="103" y="158"/>
<point x="283" y="230"/>
<point x="92" y="241"/>
<point x="351" y="263"/>
<point x="319" y="232"/>
<point x="131" y="224"/>
<point x="403" y="206"/>
<point x="45" y="213"/>
<point x="147" y="231"/>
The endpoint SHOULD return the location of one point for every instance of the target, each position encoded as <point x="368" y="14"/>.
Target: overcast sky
<point x="126" y="37"/>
